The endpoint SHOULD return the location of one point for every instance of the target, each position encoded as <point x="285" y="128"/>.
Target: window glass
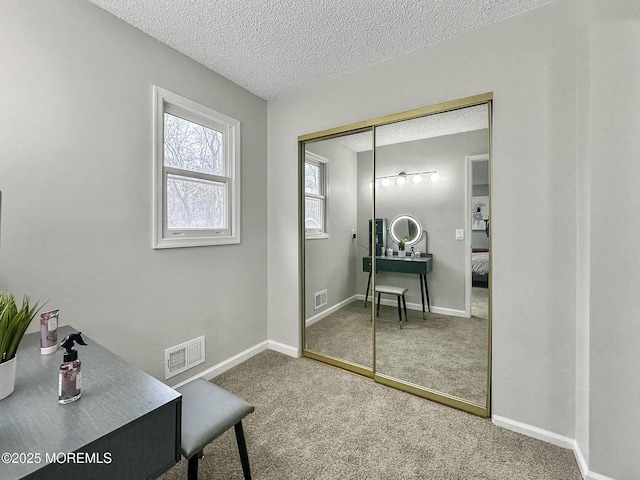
<point x="315" y="196"/>
<point x="312" y="179"/>
<point x="313" y="214"/>
<point x="195" y="203"/>
<point x="190" y="146"/>
<point x="196" y="174"/>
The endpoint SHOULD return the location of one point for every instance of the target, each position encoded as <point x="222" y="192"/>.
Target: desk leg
<point x="366" y="294"/>
<point x="422" y="295"/>
<point x="426" y="288"/>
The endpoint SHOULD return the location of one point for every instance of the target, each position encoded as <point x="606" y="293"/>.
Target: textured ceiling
<point x="446" y="123"/>
<point x="272" y="47"/>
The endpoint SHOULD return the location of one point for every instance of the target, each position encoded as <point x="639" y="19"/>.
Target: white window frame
<point x="323" y="163"/>
<point x="174" y="104"/>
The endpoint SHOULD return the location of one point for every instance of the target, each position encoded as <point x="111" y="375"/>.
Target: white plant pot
<point x="7" y="377"/>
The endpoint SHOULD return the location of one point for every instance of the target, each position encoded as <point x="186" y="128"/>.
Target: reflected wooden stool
<point x="399" y="293"/>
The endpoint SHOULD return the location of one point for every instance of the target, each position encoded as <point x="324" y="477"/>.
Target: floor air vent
<point x="184" y="356"/>
<point x="320" y="299"/>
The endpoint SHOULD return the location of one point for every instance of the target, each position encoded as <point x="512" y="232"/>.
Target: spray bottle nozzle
<point x="68" y="343"/>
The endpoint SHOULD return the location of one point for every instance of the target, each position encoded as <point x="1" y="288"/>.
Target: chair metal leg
<point x="399" y="311"/>
<point x="404" y="303"/>
<point x="192" y="468"/>
<point x="422" y="295"/>
<point x="378" y="309"/>
<point x="242" y="449"/>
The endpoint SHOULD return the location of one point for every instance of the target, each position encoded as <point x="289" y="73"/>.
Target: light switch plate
<point x="459" y="233"/>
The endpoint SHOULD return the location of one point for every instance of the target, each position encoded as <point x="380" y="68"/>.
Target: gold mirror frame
<point x="370" y="125"/>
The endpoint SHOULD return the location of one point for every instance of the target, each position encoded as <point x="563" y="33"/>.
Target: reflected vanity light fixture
<point x="416" y="177"/>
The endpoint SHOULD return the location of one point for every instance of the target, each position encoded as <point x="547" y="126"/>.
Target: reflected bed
<point x="480" y="267"/>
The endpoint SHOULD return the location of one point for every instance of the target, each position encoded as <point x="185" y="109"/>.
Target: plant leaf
<point x="13" y="323"/>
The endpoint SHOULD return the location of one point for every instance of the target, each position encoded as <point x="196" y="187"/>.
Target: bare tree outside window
<point x="312" y="178"/>
<point x="194" y="203"/>
<point x="196" y="174"/>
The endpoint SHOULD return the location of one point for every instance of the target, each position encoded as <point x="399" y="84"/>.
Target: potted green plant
<point x="13" y="323"/>
<point x="401" y="246"/>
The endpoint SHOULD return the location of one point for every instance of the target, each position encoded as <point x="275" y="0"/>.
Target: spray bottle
<point x="69" y="375"/>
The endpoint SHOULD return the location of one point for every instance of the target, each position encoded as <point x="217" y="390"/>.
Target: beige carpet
<point x="316" y="422"/>
<point x="440" y="352"/>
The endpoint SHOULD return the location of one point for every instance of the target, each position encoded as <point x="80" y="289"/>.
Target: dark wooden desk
<point x="125" y="425"/>
<point x="418" y="266"/>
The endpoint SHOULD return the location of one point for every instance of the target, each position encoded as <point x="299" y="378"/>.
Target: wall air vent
<point x="319" y="299"/>
<point x="184" y="356"/>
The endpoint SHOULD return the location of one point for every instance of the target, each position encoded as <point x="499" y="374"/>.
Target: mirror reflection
<point x="404" y="279"/>
<point x="446" y="349"/>
<point x="405" y="228"/>
<point x="337" y="194"/>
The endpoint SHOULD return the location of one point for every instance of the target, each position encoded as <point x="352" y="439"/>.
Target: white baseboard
<point x="282" y="348"/>
<point x="225" y="365"/>
<point x="596" y="476"/>
<point x="584" y="468"/>
<point x="582" y="463"/>
<point x="554" y="439"/>
<point x="329" y="311"/>
<point x="418" y="307"/>
<point x="447" y="311"/>
<point x="229" y="363"/>
<point x="534" y="432"/>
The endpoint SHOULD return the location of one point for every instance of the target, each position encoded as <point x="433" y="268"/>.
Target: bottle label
<point x="53" y="323"/>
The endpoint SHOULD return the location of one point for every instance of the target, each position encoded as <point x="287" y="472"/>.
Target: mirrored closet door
<point x="396" y="220"/>
<point x="336" y="175"/>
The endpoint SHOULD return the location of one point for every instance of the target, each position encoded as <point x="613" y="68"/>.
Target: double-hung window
<point x="315" y="195"/>
<point x="197" y="174"/>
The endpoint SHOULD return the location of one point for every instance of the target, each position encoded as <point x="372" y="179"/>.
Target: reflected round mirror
<point x="407" y="228"/>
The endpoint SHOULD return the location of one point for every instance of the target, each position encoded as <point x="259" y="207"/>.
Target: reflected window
<point x="315" y="195"/>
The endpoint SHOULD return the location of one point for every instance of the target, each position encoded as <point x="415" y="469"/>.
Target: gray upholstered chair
<point x="399" y="293"/>
<point x="207" y="412"/>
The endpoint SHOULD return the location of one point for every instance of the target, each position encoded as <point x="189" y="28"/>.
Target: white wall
<point x="529" y="63"/>
<point x="76" y="177"/>
<point x="583" y="253"/>
<point x="329" y="261"/>
<point x="614" y="422"/>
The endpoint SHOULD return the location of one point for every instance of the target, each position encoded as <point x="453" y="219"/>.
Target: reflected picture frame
<point x="480" y="209"/>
